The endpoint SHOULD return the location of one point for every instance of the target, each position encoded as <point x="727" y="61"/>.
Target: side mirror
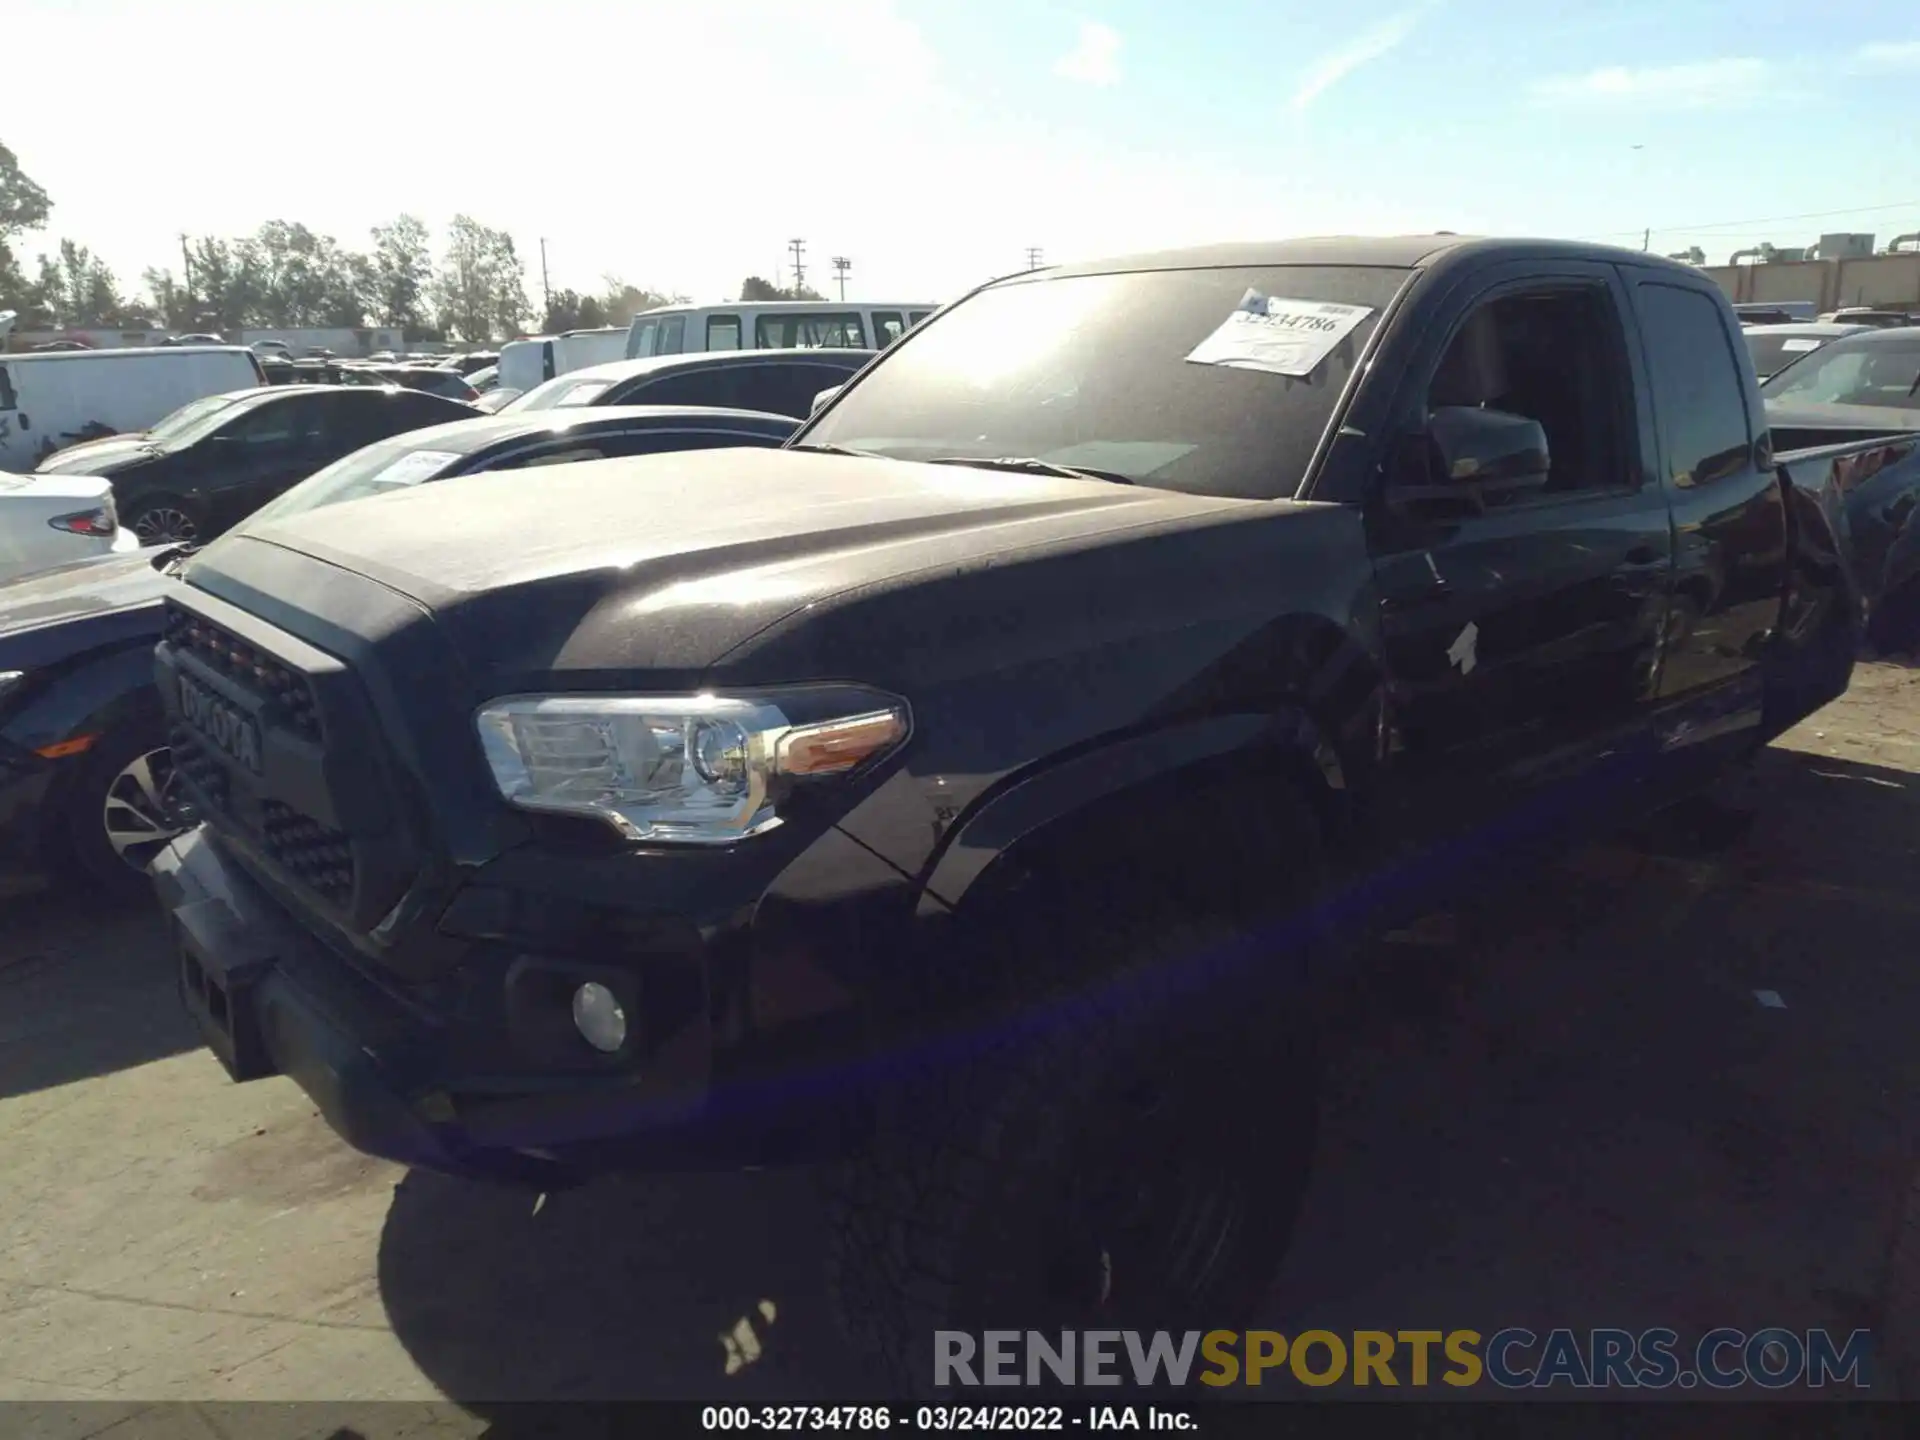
<point x="823" y="397"/>
<point x="1471" y="454"/>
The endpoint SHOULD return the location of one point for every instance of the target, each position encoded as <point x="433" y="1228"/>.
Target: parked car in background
<point x="472" y="360"/>
<point x="1774" y="312"/>
<point x="205" y="476"/>
<point x="524" y="364"/>
<point x="772" y="325"/>
<point x="48" y="402"/>
<point x="782" y="381"/>
<point x="51" y="345"/>
<point x="1774" y="347"/>
<point x="486" y="378"/>
<point x="433" y="379"/>
<point x="496" y="400"/>
<point x="85" y="769"/>
<point x="48" y="520"/>
<point x="194" y="340"/>
<point x="1867" y="315"/>
<point x="1860" y="387"/>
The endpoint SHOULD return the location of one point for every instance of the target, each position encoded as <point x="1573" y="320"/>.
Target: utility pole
<point x="841" y="265"/>
<point x="1646" y="239"/>
<point x="799" y="249"/>
<point x="1033" y="257"/>
<point x="546" y="292"/>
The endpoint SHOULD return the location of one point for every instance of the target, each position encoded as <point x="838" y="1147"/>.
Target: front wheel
<point x="123" y="808"/>
<point x="1134" y="1157"/>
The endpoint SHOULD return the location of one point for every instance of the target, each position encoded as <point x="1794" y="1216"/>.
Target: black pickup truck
<point x="976" y="793"/>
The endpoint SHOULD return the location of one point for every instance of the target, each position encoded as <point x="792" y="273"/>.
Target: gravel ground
<point x="1579" y="1114"/>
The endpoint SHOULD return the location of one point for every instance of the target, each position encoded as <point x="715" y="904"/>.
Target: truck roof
<point x="1397" y="252"/>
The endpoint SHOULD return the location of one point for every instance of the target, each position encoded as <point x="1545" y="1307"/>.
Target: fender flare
<point x="1037" y="799"/>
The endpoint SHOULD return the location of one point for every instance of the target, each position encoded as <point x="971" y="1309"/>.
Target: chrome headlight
<point x="687" y="769"/>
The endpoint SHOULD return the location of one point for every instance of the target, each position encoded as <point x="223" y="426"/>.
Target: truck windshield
<point x="1158" y="376"/>
<point x="1872" y="369"/>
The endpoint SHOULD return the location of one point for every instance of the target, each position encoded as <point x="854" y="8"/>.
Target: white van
<point x="51" y="400"/>
<point x="773" y="325"/>
<point x="524" y="364"/>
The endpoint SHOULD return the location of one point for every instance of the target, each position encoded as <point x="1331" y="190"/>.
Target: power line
<point x="1759" y="220"/>
<point x="841" y="265"/>
<point x="1033" y="257"/>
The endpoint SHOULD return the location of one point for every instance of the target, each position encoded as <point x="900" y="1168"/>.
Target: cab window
<point x="723" y="332"/>
<point x="888" y="326"/>
<point x="673" y="334"/>
<point x="643" y="338"/>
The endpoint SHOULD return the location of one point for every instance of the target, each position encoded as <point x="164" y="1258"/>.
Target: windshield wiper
<point x="840" y="450"/>
<point x="1031" y="465"/>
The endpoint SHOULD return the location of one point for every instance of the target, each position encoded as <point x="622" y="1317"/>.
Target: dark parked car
<point x="783" y="381"/>
<point x="432" y="379"/>
<point x="1863" y="386"/>
<point x="979" y="790"/>
<point x="1774" y="347"/>
<point x="471" y="361"/>
<point x="205" y="476"/>
<point x="85" y="771"/>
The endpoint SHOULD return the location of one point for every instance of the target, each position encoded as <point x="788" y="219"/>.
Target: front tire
<point x="122" y="809"/>
<point x="1132" y="1156"/>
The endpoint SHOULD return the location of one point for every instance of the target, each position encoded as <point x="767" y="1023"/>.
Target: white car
<point x="48" y="520"/>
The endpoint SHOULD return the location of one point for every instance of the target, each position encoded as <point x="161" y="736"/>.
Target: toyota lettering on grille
<point x="222" y="725"/>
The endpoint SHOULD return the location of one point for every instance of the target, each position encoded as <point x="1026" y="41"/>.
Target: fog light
<point x="598" y="1017"/>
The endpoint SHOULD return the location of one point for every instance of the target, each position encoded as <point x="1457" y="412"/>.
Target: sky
<point x="680" y="146"/>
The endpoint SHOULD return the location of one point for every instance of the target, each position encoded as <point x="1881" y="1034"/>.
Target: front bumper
<point x="392" y="1080"/>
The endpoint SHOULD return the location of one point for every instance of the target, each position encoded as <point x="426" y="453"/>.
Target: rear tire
<point x="1130" y="1152"/>
<point x="121" y="808"/>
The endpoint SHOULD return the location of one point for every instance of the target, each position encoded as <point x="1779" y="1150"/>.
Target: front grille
<point x="318" y="856"/>
<point x="192" y="760"/>
<point x="227" y="654"/>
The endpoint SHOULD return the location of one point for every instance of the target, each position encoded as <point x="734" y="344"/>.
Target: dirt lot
<point x="1583" y="1115"/>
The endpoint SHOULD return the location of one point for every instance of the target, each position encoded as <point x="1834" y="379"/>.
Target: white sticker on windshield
<point x="412" y="468"/>
<point x="1799" y="344"/>
<point x="1284" y="337"/>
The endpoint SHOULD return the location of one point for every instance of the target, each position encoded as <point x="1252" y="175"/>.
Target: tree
<point x="24" y="206"/>
<point x="620" y="302"/>
<point x="171" y="303"/>
<point x="480" y="289"/>
<point x="563" y="313"/>
<point x="303" y="279"/>
<point x="754" y="287"/>
<point x="402" y="271"/>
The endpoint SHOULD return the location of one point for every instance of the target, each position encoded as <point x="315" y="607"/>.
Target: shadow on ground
<point x="83" y="999"/>
<point x="1589" y="1114"/>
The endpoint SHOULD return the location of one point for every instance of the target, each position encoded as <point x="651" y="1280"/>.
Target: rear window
<point x="810" y="332"/>
<point x="1863" y="370"/>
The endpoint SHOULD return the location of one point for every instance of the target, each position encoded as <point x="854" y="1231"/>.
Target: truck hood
<point x="662" y="564"/>
<point x="100" y="457"/>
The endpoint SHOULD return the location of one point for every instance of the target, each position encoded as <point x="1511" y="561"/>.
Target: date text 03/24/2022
<point x="941" y="1418"/>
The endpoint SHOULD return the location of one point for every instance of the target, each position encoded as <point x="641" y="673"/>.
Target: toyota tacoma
<point x="975" y="795"/>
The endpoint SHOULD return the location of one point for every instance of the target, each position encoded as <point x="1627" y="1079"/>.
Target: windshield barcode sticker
<point x="1283" y="337"/>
